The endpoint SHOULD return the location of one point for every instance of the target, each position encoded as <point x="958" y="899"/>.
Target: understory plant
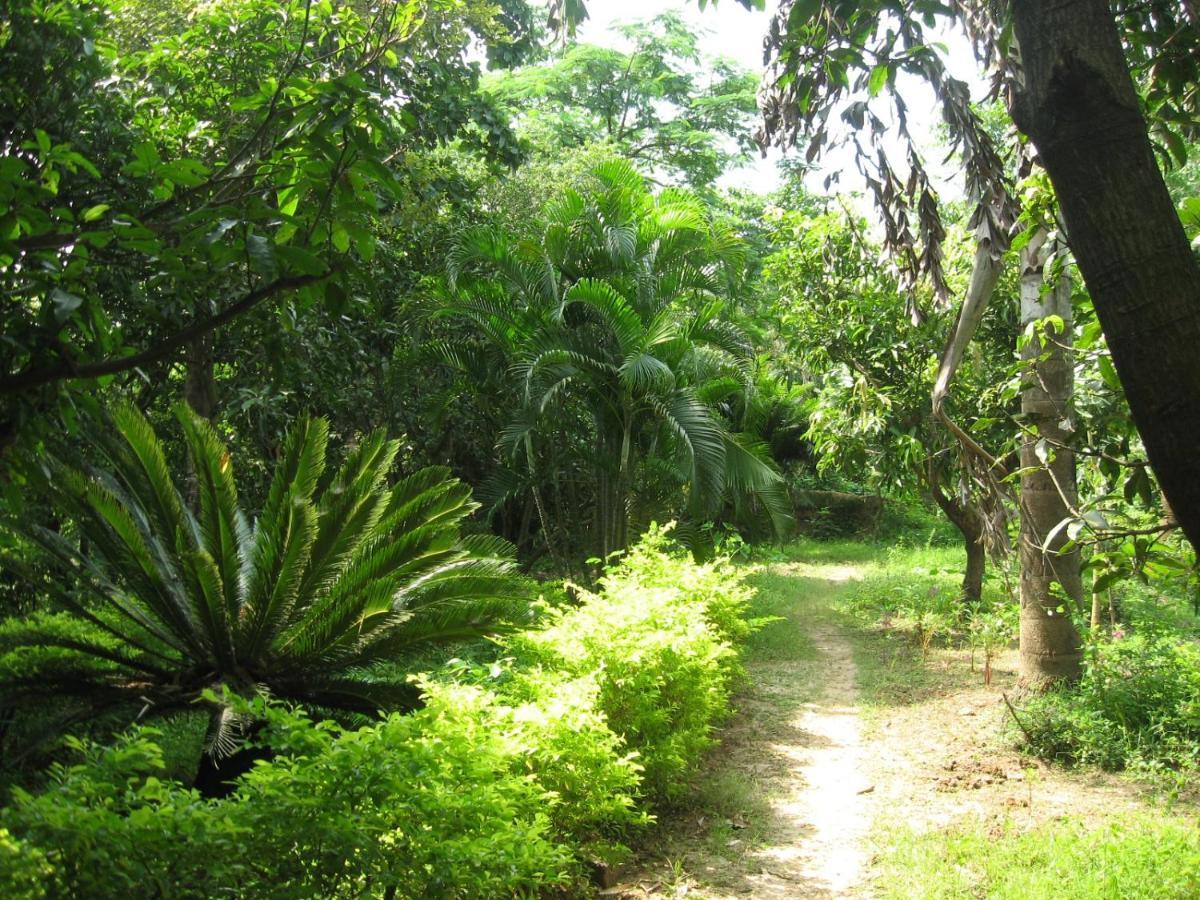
<point x="660" y="639"/>
<point x="1137" y="705"/>
<point x="422" y="805"/>
<point x="168" y="604"/>
<point x="522" y="764"/>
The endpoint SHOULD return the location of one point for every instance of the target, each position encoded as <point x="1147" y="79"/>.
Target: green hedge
<point x="660" y="641"/>
<point x="515" y="771"/>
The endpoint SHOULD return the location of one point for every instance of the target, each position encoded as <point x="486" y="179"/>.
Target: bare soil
<point x="809" y="770"/>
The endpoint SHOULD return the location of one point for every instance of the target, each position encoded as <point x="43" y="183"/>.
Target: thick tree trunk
<point x="970" y="524"/>
<point x="1080" y="107"/>
<point x="1049" y="641"/>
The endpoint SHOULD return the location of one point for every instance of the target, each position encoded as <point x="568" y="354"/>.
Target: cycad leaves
<point x="327" y="582"/>
<point x="284" y="534"/>
<point x="223" y="529"/>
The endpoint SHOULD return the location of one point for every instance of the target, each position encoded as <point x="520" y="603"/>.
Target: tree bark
<point x="1079" y="106"/>
<point x="970" y="524"/>
<point x="1050" y="648"/>
<point x="199" y="384"/>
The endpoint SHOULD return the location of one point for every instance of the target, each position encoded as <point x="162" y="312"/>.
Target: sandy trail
<point x="798" y="739"/>
<point x="807" y="772"/>
<point x="833" y="792"/>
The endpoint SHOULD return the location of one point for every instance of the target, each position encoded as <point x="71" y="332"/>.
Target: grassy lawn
<point x="1126" y="857"/>
<point x="1148" y="854"/>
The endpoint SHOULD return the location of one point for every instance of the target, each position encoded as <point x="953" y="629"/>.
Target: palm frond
<point x="643" y="372"/>
<point x="223" y="529"/>
<point x="751" y="474"/>
<point x="701" y="438"/>
<point x="621" y="319"/>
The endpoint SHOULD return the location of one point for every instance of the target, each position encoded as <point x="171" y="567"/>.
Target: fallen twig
<point x="1016" y="718"/>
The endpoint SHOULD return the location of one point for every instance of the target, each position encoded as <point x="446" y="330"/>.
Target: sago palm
<point x="315" y="601"/>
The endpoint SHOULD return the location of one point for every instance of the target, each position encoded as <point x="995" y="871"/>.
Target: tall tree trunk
<point x="1080" y="107"/>
<point x="1049" y="641"/>
<point x="969" y="523"/>
<point x="199" y="383"/>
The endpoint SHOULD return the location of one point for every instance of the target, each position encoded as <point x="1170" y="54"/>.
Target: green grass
<point x="843" y="551"/>
<point x="780" y="597"/>
<point x="736" y="807"/>
<point x="891" y="671"/>
<point x="1125" y="857"/>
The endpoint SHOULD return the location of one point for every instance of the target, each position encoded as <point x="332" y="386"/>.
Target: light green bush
<point x="658" y="639"/>
<point x="552" y="730"/>
<point x="513" y="771"/>
<point x="427" y="804"/>
<point x="25" y="873"/>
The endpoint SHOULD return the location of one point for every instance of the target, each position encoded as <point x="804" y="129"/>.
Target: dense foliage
<point x="514" y="770"/>
<point x="317" y="602"/>
<point x="470" y="305"/>
<point x="614" y="324"/>
<point x="1137" y="706"/>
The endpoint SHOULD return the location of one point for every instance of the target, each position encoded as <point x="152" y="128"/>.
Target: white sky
<point x="728" y="29"/>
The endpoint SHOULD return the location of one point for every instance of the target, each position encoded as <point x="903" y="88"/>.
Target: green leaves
<point x="328" y="582"/>
<point x="638" y="334"/>
<point x="879" y="78"/>
<point x="661" y="103"/>
<point x="195" y="160"/>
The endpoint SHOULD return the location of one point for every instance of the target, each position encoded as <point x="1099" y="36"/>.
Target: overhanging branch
<point x="36" y="377"/>
<point x="984" y="275"/>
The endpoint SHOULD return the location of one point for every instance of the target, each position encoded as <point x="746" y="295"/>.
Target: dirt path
<point x="811" y="769"/>
<point x="791" y="804"/>
<point x="830" y="803"/>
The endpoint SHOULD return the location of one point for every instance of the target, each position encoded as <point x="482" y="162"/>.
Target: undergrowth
<point x="1138" y="857"/>
<point x="527" y="761"/>
<point x="1137" y="706"/>
<point x="917" y="592"/>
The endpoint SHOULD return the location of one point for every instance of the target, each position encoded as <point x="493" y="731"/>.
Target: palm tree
<point x="619" y="309"/>
<point x="315" y="602"/>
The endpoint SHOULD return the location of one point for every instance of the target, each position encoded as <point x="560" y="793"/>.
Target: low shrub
<point x="1137" y="705"/>
<point x="553" y="731"/>
<point x="658" y="638"/>
<point x="427" y="804"/>
<point x="991" y="628"/>
<point x="25" y="873"/>
<point x="919" y="602"/>
<point x="515" y="769"/>
<point x="918" y="592"/>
